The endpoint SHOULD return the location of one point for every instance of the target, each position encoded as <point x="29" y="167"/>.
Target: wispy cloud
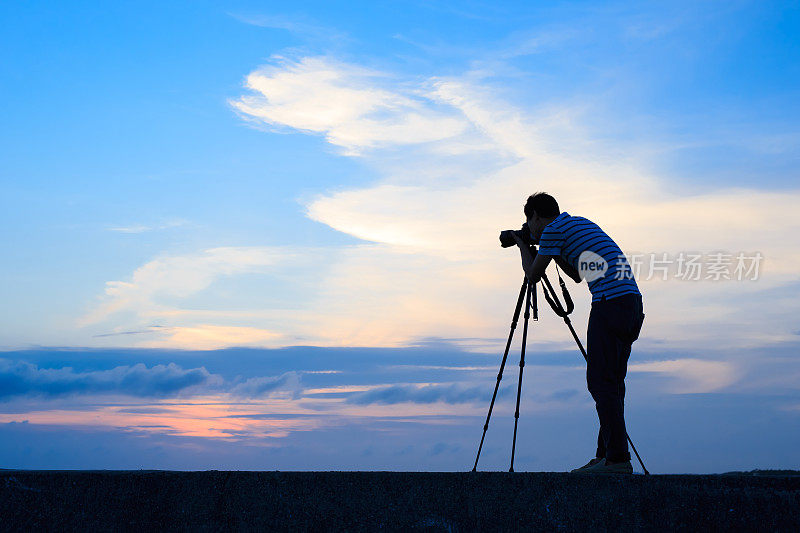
<point x="693" y="375"/>
<point x="131" y="229"/>
<point x="257" y="387"/>
<point x="354" y="108"/>
<point x="179" y="276"/>
<point x="141" y="228"/>
<point x="212" y="337"/>
<point x="299" y="25"/>
<point x="149" y="329"/>
<point x="447" y="393"/>
<point x="199" y="336"/>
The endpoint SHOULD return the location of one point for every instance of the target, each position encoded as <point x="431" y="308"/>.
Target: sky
<point x="259" y="235"/>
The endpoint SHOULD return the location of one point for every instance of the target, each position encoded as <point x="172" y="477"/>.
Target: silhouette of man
<point x="584" y="251"/>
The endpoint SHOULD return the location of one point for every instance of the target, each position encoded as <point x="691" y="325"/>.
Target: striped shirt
<point x="582" y="244"/>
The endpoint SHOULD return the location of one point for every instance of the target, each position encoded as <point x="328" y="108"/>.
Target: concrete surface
<point x="393" y="501"/>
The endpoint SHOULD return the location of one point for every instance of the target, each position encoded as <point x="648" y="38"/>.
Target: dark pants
<point x="613" y="326"/>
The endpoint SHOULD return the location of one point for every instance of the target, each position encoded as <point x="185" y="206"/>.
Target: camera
<point x="507" y="239"/>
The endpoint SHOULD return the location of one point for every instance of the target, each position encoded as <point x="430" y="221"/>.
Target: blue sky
<point x="194" y="194"/>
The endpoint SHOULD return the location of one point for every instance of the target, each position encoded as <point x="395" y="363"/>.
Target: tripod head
<point x="549" y="292"/>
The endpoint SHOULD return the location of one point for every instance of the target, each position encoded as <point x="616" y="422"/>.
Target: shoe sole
<point x="581" y="469"/>
<point x="604" y="471"/>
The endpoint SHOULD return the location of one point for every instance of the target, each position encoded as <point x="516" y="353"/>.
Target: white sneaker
<point x="587" y="465"/>
<point x="601" y="467"/>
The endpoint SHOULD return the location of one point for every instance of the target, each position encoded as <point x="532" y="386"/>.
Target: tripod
<point x="528" y="292"/>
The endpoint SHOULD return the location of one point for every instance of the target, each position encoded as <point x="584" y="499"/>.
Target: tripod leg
<point x="531" y="288"/>
<point x="637" y="454"/>
<point x="502" y="365"/>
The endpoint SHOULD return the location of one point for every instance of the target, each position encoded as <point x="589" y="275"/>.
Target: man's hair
<point x="543" y="204"/>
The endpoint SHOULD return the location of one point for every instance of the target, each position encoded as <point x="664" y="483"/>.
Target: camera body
<point x="507" y="238"/>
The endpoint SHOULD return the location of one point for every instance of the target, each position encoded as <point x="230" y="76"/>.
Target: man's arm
<point x="536" y="270"/>
<point x="569" y="269"/>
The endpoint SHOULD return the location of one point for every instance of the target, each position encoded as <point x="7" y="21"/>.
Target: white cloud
<point x="179" y="276"/>
<point x="345" y="103"/>
<point x="640" y="210"/>
<point x="433" y="267"/>
<point x="693" y="375"/>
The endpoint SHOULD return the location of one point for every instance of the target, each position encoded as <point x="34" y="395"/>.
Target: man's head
<point x="540" y="210"/>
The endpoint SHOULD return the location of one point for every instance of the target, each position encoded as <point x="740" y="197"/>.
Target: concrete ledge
<point x="214" y="500"/>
